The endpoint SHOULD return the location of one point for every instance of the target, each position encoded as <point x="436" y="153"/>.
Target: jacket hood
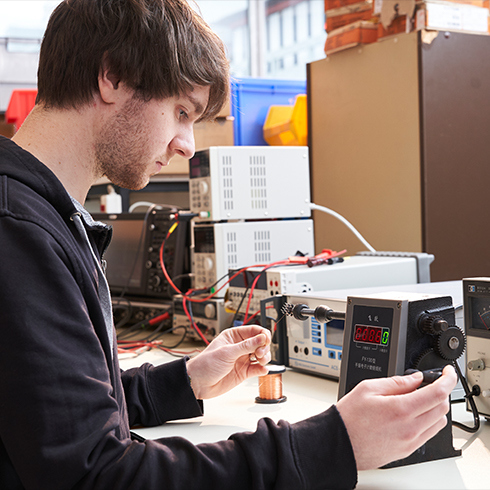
<point x="18" y="164"/>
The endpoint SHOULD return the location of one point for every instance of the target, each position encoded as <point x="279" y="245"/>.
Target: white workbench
<point x="307" y="395"/>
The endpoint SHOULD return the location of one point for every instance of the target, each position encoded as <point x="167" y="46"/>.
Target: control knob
<point x="155" y="281"/>
<point x="476" y="365"/>
<point x="210" y="310"/>
<point x="432" y="324"/>
<point x="203" y="187"/>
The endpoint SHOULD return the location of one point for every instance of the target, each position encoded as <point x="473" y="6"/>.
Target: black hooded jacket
<point x="65" y="407"/>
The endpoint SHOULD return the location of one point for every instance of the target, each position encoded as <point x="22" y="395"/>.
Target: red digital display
<point x="195" y="172"/>
<point x="372" y="335"/>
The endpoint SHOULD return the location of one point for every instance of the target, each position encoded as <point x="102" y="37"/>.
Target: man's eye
<point x="183" y="114"/>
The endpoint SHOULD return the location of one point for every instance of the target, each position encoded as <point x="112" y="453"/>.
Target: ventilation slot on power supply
<point x="232" y="256"/>
<point x="262" y="245"/>
<point x="227" y="179"/>
<point x="258" y="183"/>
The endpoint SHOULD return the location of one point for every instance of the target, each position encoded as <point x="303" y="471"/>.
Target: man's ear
<point x="108" y="84"/>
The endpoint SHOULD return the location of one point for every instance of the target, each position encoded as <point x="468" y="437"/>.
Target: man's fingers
<point x="396" y="385"/>
<point x="434" y="394"/>
<point x="257" y="370"/>
<point x="246" y="332"/>
<point x="263" y="358"/>
<point x="400" y="385"/>
<point x="256" y="345"/>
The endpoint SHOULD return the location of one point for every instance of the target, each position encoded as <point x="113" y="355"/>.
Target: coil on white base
<point x="270" y="386"/>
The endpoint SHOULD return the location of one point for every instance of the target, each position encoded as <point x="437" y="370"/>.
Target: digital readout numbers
<point x="372" y="335"/>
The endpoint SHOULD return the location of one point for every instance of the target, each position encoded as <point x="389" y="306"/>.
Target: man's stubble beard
<point x="120" y="149"/>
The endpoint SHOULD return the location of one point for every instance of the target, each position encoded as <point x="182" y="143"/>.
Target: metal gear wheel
<point x="429" y="359"/>
<point x="451" y="344"/>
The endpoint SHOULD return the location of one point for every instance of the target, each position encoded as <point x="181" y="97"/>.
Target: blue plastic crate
<point x="251" y="99"/>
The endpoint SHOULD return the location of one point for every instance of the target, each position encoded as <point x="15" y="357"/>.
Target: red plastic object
<point x="21" y="103"/>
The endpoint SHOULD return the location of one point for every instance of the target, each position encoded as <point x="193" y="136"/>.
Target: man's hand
<point x="388" y="419"/>
<point x="226" y="362"/>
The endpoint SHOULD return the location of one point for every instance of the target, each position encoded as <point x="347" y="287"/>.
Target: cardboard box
<point x="340" y="17"/>
<point x="336" y="4"/>
<point x="451" y="16"/>
<point x="215" y="133"/>
<point x="476" y="3"/>
<point x="361" y="32"/>
<point x="400" y="25"/>
<point x="388" y="10"/>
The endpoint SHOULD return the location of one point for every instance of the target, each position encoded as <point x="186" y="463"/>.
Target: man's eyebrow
<point x="198" y="108"/>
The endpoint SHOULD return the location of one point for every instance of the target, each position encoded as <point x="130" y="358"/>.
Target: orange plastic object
<point x="20" y="104"/>
<point x="287" y="125"/>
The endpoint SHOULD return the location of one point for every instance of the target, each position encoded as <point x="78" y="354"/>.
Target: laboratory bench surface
<point x="307" y="395"/>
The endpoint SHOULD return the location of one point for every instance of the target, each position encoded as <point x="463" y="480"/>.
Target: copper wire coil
<point x="270" y="386"/>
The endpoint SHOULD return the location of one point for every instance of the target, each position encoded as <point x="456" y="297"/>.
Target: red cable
<point x="189" y="298"/>
<point x="252" y="287"/>
<point x="193" y="324"/>
<point x="159" y="318"/>
<point x="131" y="346"/>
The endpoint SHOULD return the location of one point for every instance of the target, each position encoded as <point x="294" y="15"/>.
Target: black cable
<point x="162" y="346"/>
<point x="469" y="396"/>
<point x="265" y="269"/>
<point x="117" y="306"/>
<point x="168" y="350"/>
<point x="132" y="329"/>
<point x="181" y="340"/>
<point x="194" y="326"/>
<point x="157" y="332"/>
<point x="237" y="311"/>
<point x="208" y="289"/>
<point x="138" y="326"/>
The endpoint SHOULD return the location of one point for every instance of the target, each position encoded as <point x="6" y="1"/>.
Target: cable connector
<point x="183" y="215"/>
<point x="322" y="314"/>
<point x="188" y="215"/>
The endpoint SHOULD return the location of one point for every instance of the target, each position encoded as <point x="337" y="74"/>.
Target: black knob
<point x="155" y="281"/>
<point x="432" y="324"/>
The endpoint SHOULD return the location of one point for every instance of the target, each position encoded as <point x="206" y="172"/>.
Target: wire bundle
<point x="190" y="296"/>
<point x="270" y="386"/>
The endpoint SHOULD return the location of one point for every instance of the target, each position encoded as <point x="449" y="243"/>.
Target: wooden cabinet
<point x="399" y="137"/>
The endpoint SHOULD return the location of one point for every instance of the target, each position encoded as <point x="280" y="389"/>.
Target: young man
<point x="121" y="83"/>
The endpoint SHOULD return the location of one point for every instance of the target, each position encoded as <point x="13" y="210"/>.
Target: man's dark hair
<point x="159" y="48"/>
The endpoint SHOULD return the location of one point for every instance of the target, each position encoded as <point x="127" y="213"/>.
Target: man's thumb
<point x="404" y="384"/>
